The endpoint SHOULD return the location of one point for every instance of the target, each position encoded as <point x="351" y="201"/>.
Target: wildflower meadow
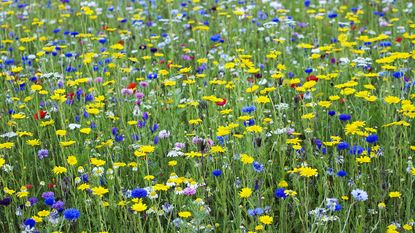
<point x="199" y="116"/>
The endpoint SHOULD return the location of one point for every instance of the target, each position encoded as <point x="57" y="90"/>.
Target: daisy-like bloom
<point x="245" y="193"/>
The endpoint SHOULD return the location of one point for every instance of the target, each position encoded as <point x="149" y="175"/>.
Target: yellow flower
<point x="407" y="227"/>
<point x="2" y="162"/>
<point x="223" y="130"/>
<point x="392" y="229"/>
<point x="193" y="154"/>
<point x="308" y="171"/>
<point x="83" y="187"/>
<point x="308" y="116"/>
<point x="60" y="132"/>
<point x="36" y="87"/>
<point x="97" y="162"/>
<point x="394" y="194"/>
<point x="172" y="163"/>
<point x="37" y="219"/>
<point x="245" y="193"/>
<point x="139" y="207"/>
<point x="43" y="213"/>
<point x="185" y="214"/>
<point x="263" y="99"/>
<point x="149" y="177"/>
<point x="254" y="128"/>
<point x="85" y="130"/>
<point x="67" y="143"/>
<point x="381" y="205"/>
<point x="99" y="191"/>
<point x="392" y="99"/>
<point x="282" y="184"/>
<point x="265" y="219"/>
<point x="195" y="121"/>
<point x="6" y="145"/>
<point x="18" y="116"/>
<point x="252" y="89"/>
<point x="217" y="149"/>
<point x="161" y="187"/>
<point x="146" y="149"/>
<point x="363" y="159"/>
<point x="246" y="159"/>
<point x="72" y="160"/>
<point x="33" y="142"/>
<point x="59" y="170"/>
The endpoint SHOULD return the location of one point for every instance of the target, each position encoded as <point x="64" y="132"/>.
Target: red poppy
<point x="342" y="100"/>
<point x="294" y="85"/>
<point x="221" y="103"/>
<point x="121" y="42"/>
<point x="132" y="85"/>
<point x="251" y="80"/>
<point x="105" y="27"/>
<point x="70" y="95"/>
<point x="41" y="114"/>
<point x="312" y="78"/>
<point x="399" y="39"/>
<point x="51" y="186"/>
<point x="29" y="186"/>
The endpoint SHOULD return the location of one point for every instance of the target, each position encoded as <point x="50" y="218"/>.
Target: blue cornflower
<point x="114" y="131"/>
<point x="341" y="173"/>
<point x="215" y="38"/>
<point x="249" y="122"/>
<point x="373" y="138"/>
<point x="398" y="74"/>
<point x="71" y="214"/>
<point x="258" y="167"/>
<point x="345" y="117"/>
<point x="332" y="15"/>
<point x="259" y="211"/>
<point x="308" y="70"/>
<point x="342" y="146"/>
<point x="152" y="76"/>
<point x="356" y="150"/>
<point x="217" y="172"/>
<point x="49" y="201"/>
<point x="280" y="193"/>
<point x="332" y="113"/>
<point x="139" y="193"/>
<point x="359" y="195"/>
<point x="248" y="109"/>
<point x="30" y="222"/>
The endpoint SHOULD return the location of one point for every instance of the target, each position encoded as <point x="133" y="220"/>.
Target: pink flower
<point x="189" y="191"/>
<point x="143" y="84"/>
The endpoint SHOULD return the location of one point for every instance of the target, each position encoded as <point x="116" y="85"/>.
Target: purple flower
<point x="47" y="195"/>
<point x="42" y="153"/>
<point x="59" y="205"/>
